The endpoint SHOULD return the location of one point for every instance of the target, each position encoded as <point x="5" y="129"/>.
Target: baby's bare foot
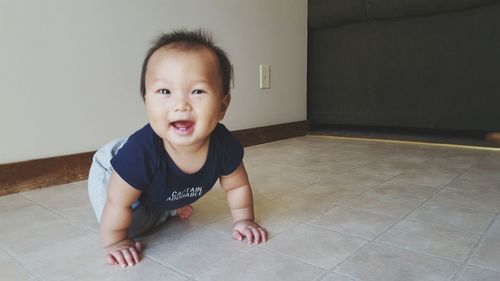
<point x="185" y="212"/>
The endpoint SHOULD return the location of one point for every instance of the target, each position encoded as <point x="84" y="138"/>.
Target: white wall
<point x="70" y="69"/>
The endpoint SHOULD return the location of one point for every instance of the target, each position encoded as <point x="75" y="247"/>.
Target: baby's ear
<point x="225" y="104"/>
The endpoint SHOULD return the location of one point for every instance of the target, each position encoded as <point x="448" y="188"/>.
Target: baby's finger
<point x="249" y="235"/>
<point x="128" y="257"/>
<point x="119" y="258"/>
<point x="263" y="234"/>
<point x="256" y="235"/>
<point x="237" y="235"/>
<point x="110" y="259"/>
<point x="138" y="246"/>
<point x="135" y="254"/>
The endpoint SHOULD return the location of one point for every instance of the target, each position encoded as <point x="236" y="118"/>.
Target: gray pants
<point x="143" y="218"/>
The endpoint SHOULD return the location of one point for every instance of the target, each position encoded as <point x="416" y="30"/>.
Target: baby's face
<point x="184" y="99"/>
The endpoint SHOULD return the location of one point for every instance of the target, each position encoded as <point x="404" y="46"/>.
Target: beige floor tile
<point x="52" y="232"/>
<point x="383" y="204"/>
<point x="465" y="185"/>
<point x="488" y="254"/>
<point x="488" y="202"/>
<point x="477" y="274"/>
<point x="70" y="200"/>
<point x="402" y="160"/>
<point x="378" y="262"/>
<point x="196" y="251"/>
<point x="11" y="269"/>
<point x="272" y="187"/>
<point x="352" y="181"/>
<point x="448" y="215"/>
<point x="426" y="176"/>
<point x="483" y="173"/>
<point x="375" y="170"/>
<point x="415" y="191"/>
<point x="30" y="228"/>
<point x="209" y="210"/>
<point x="315" y="246"/>
<point x="254" y="265"/>
<point x="335" y="277"/>
<point x="438" y="241"/>
<point x="353" y="221"/>
<point x="83" y="259"/>
<point x="495" y="228"/>
<point x="307" y="202"/>
<point x="303" y="175"/>
<point x="13" y="202"/>
<point x="216" y="192"/>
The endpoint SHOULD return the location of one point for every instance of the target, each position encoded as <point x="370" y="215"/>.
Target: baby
<point x="136" y="183"/>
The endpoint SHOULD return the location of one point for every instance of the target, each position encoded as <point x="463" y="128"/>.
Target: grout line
<point x="393" y="224"/>
<point x="291" y="258"/>
<point x="474" y="249"/>
<point x="164" y="266"/>
<point x="26" y="268"/>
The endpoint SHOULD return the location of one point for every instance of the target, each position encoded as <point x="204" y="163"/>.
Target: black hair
<point x="187" y="40"/>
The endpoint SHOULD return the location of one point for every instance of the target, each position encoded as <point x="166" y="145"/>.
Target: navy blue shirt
<point x="144" y="164"/>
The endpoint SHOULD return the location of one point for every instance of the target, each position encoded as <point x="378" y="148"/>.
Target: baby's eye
<point x="164" y="91"/>
<point x="198" y="92"/>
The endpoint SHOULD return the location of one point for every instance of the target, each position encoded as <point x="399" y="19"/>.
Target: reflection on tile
<point x="282" y="268"/>
<point x="322" y="248"/>
<point x="352" y="221"/>
<point x="488" y="254"/>
<point x="477" y="274"/>
<point x="377" y="262"/>
<point x="433" y="240"/>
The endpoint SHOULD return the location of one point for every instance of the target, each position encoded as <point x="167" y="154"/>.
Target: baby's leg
<point x="145" y="219"/>
<point x="99" y="174"/>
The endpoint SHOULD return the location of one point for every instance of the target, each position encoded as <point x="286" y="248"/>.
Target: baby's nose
<point x="182" y="105"/>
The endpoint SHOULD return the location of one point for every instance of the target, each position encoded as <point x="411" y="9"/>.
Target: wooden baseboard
<point x="33" y="174"/>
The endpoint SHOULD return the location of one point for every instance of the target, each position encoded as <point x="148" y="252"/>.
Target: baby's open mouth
<point x="183" y="125"/>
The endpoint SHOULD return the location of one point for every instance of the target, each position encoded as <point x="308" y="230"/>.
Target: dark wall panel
<point x="436" y="71"/>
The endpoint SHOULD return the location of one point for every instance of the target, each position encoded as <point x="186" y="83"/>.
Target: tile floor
<point x="336" y="209"/>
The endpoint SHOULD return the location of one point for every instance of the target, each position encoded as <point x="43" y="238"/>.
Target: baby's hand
<point x="125" y="253"/>
<point x="250" y="230"/>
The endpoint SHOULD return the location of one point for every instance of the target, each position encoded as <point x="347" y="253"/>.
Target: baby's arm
<point x="239" y="197"/>
<point x="115" y="220"/>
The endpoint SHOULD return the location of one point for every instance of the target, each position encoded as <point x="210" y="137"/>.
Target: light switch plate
<point x="265" y="78"/>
